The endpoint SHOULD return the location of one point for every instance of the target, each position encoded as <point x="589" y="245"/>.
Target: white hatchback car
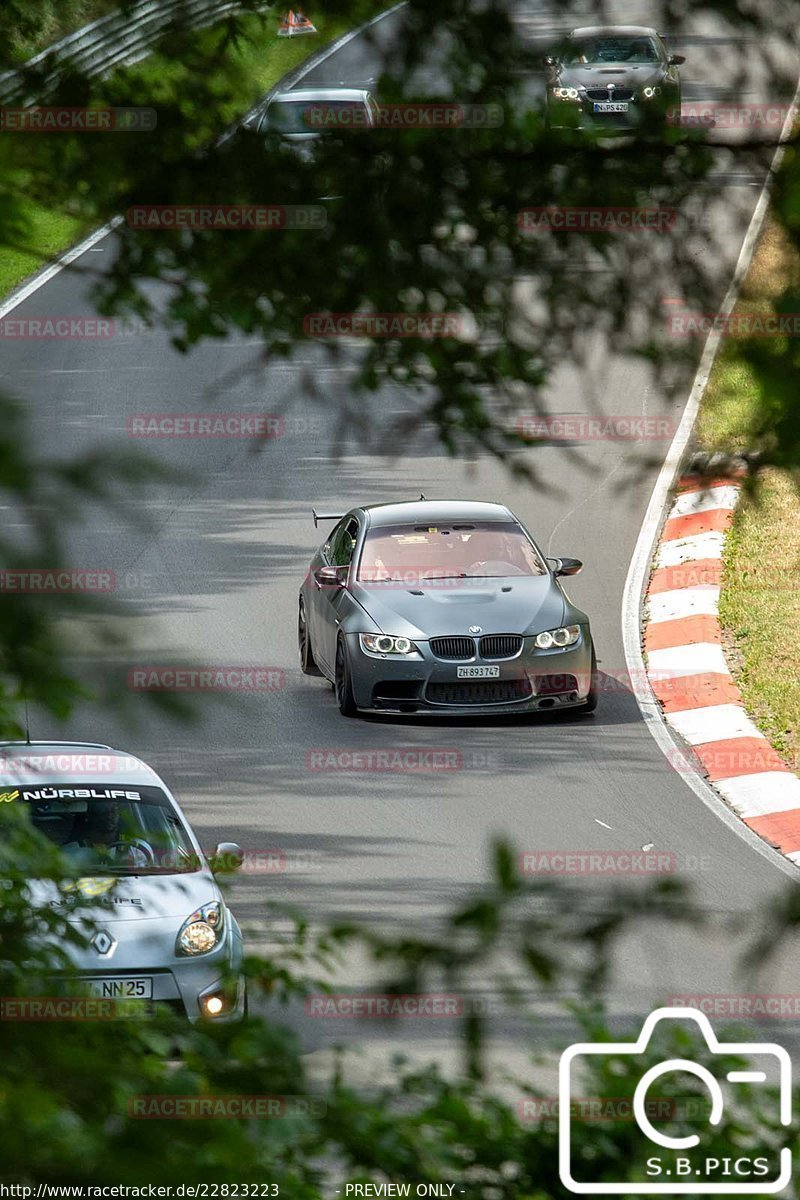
<point x="160" y="929"/>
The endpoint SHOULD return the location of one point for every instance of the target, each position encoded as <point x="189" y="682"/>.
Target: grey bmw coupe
<point x="613" y="77"/>
<point x="443" y="607"/>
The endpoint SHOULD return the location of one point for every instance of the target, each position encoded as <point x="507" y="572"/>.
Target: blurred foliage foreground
<point x="76" y="1095"/>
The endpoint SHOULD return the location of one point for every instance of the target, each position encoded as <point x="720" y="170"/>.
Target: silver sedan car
<point x="443" y="608"/>
<point x="302" y="116"/>
<point x="156" y="925"/>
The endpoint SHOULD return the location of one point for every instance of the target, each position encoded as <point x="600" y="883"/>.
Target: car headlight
<point x="381" y="643"/>
<point x="566" y="93"/>
<point x="567" y="635"/>
<point x="202" y="931"/>
<point x="650" y="92"/>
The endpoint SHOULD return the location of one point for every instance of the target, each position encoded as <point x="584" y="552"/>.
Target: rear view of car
<point x="301" y="117"/>
<point x="156" y="927"/>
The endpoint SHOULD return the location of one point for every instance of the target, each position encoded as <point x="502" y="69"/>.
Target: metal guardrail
<point x="118" y="39"/>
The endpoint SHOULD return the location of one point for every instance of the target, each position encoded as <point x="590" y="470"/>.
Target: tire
<point x="591" y="699"/>
<point x="343" y="685"/>
<point x="307" y="662"/>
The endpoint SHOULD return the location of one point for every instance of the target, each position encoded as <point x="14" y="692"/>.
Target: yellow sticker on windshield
<point x="90" y="886"/>
<point x="6" y="796"/>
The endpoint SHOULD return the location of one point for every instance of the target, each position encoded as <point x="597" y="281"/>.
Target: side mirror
<point x="226" y="859"/>
<point x="330" y="577"/>
<point x="675" y="60"/>
<point x="549" y="61"/>
<point x="566" y="566"/>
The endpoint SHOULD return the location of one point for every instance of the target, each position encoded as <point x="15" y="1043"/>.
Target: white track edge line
<point x="638" y="571"/>
<point x="47" y="273"/>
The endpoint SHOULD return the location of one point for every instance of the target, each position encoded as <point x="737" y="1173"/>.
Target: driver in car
<point x="100" y="841"/>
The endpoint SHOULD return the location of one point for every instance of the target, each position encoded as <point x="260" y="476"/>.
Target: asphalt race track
<point x="215" y="580"/>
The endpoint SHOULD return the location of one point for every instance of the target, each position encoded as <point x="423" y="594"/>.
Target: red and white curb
<point x="689" y="675"/>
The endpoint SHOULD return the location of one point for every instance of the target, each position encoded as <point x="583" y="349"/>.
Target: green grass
<point x="50" y="233"/>
<point x="260" y="59"/>
<point x="760" y="599"/>
<point x="52" y="21"/>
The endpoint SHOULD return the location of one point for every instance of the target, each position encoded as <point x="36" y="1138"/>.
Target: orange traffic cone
<point x="294" y="23"/>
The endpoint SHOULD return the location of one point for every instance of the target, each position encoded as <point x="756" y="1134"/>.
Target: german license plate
<point x="120" y="988"/>
<point x="617" y="106"/>
<point x="478" y="672"/>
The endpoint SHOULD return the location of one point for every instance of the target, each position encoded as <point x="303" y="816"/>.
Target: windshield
<point x="611" y="50"/>
<point x="312" y="116"/>
<point x="466" y="550"/>
<point x="112" y="829"/>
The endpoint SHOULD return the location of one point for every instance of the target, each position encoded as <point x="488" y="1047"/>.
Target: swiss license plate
<point x="121" y="988"/>
<point x="617" y="106"/>
<point x="478" y="672"/>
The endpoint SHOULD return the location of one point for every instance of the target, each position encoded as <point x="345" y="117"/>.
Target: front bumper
<point x="570" y="114"/>
<point x="532" y="681"/>
<point x="179" y="983"/>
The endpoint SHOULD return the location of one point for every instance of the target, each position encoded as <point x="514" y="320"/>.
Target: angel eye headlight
<point x="382" y="643"/>
<point x="567" y="635"/>
<point x="202" y="931"/>
<point x="565" y="93"/>
<point x="650" y="92"/>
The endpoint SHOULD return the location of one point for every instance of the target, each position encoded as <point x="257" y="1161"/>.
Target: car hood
<point x="515" y="604"/>
<point x="602" y="74"/>
<point x="128" y="898"/>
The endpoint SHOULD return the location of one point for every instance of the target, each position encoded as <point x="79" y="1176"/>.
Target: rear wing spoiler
<point x="325" y="516"/>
